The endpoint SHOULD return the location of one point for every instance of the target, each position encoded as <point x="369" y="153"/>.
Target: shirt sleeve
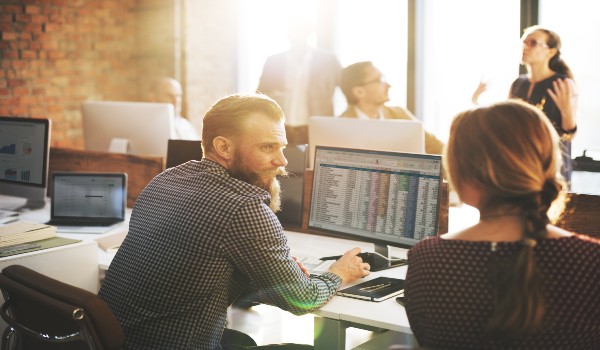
<point x="257" y="247"/>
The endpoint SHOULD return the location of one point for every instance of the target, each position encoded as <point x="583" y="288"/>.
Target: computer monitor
<point x="181" y="151"/>
<point x="128" y="127"/>
<point x="381" y="135"/>
<point x="24" y="153"/>
<point x="387" y="198"/>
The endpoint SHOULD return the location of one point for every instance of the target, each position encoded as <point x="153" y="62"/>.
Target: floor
<point x="270" y="325"/>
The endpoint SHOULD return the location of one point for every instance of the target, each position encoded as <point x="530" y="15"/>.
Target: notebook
<point x="181" y="151"/>
<point x="87" y="202"/>
<point x="378" y="289"/>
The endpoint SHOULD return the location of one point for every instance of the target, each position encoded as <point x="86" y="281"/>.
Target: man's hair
<point x="228" y="115"/>
<point x="510" y="152"/>
<point x="351" y="76"/>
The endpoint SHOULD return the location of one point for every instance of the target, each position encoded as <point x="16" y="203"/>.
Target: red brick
<point x="9" y="36"/>
<point x="20" y="91"/>
<point x="28" y="54"/>
<point x="10" y="55"/>
<point x="38" y="19"/>
<point x="55" y="54"/>
<point x="18" y="64"/>
<point x="13" y="9"/>
<point x="32" y="10"/>
<point x="4" y="92"/>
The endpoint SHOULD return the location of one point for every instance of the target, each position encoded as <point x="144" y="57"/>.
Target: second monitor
<point x="128" y="127"/>
<point x="380" y="135"/>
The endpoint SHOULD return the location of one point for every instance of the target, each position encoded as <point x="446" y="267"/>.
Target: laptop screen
<point x="382" y="197"/>
<point x="89" y="196"/>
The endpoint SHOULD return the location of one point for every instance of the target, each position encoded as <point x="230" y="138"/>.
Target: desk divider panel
<point x="140" y="169"/>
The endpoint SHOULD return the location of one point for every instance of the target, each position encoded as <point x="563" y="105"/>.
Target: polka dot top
<point x="449" y="293"/>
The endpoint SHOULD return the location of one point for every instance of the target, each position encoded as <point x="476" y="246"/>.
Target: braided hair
<point x="511" y="153"/>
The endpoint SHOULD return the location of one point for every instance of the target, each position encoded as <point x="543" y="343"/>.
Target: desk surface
<point x="387" y="314"/>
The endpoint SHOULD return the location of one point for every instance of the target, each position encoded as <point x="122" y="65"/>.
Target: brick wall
<point x="56" y="53"/>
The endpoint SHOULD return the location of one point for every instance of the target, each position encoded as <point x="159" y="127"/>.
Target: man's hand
<point x="350" y="266"/>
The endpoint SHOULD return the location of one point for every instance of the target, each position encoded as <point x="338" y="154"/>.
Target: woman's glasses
<point x="534" y="43"/>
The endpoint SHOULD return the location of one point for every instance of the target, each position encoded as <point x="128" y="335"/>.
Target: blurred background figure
<point x="548" y="85"/>
<point x="302" y="80"/>
<point x="168" y="90"/>
<point x="366" y="92"/>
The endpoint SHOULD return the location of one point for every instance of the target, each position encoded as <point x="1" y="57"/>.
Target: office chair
<point x="581" y="214"/>
<point x="43" y="313"/>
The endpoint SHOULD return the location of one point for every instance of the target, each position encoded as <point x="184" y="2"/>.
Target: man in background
<point x="302" y="80"/>
<point x="168" y="90"/>
<point x="366" y="92"/>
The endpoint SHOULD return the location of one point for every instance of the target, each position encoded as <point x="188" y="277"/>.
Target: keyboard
<point x="315" y="265"/>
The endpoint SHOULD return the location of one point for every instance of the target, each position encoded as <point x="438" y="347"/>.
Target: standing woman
<point x="549" y="86"/>
<point x="513" y="280"/>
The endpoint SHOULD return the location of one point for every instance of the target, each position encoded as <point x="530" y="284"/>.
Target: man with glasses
<point x="366" y="91"/>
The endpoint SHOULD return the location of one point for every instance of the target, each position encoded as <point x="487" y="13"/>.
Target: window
<point x="465" y="41"/>
<point x="581" y="52"/>
<point x="376" y="31"/>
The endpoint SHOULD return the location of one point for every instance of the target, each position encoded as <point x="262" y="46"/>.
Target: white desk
<point x="82" y="264"/>
<point x="79" y="264"/>
<point x="342" y="312"/>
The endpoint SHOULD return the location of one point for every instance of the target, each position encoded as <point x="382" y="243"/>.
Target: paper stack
<point x="24" y="232"/>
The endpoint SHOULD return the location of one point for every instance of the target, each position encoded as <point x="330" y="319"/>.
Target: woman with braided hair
<point x="513" y="280"/>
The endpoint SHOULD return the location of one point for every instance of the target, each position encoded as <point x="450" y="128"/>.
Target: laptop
<point x="292" y="187"/>
<point x="86" y="202"/>
<point x="181" y="151"/>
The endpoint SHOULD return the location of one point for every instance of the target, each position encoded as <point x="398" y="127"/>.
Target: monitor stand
<point x="378" y="263"/>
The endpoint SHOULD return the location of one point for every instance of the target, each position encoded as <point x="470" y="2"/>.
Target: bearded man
<point x="204" y="233"/>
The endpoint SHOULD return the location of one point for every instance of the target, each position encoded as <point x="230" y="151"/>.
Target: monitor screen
<point x="128" y="127"/>
<point x="181" y="151"/>
<point x="24" y="152"/>
<point x="381" y="135"/>
<point x="387" y="198"/>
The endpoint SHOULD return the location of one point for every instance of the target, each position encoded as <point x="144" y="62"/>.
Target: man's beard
<point x="265" y="179"/>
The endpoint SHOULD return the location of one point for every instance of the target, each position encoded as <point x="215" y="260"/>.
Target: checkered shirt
<point x="198" y="239"/>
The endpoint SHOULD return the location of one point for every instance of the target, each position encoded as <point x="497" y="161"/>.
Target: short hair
<point x="510" y="152"/>
<point x="352" y="76"/>
<point x="226" y="117"/>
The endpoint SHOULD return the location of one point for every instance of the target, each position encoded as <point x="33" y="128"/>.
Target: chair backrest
<point x="581" y="214"/>
<point x="44" y="313"/>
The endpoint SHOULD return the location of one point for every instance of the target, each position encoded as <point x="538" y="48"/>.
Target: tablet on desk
<point x="378" y="289"/>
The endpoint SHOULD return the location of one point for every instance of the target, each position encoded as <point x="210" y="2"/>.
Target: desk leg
<point x="330" y="334"/>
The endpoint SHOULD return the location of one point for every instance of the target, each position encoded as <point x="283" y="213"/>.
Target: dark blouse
<point x="449" y="293"/>
<point x="540" y="98"/>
